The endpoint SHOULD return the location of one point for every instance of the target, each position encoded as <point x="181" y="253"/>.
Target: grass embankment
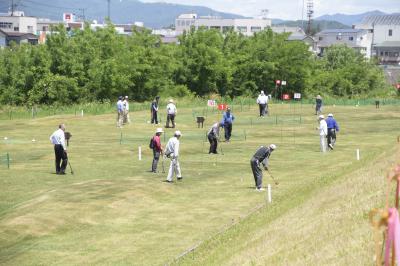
<point x="114" y="212"/>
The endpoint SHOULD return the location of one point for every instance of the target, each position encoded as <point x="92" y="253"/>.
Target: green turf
<point x="112" y="211"/>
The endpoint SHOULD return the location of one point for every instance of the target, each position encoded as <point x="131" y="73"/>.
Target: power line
<point x="50" y="6"/>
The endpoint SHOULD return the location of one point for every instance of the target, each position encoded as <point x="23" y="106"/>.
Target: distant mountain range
<point x="155" y="15"/>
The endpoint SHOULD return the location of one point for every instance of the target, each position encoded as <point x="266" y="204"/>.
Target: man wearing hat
<point x="323" y="132"/>
<point x="120" y="111"/>
<point x="60" y="149"/>
<point x="157" y="149"/>
<point x="171" y="112"/>
<point x="332" y="128"/>
<point x="126" y="110"/>
<point x="318" y="105"/>
<point x="172" y="152"/>
<point x="261" y="156"/>
<point x="227" y="121"/>
<point x="262" y="102"/>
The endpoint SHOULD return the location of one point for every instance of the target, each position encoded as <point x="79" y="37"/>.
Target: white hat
<point x="330" y="115"/>
<point x="159" y="130"/>
<point x="272" y="146"/>
<point x="126" y="97"/>
<point x="171" y="101"/>
<point x="321" y="117"/>
<point x="262" y="92"/>
<point x="178" y="133"/>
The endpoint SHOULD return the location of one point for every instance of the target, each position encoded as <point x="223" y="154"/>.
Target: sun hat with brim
<point x="159" y="130"/>
<point x="321" y="117"/>
<point x="178" y="133"/>
<point x="331" y="115"/>
<point x="272" y="146"/>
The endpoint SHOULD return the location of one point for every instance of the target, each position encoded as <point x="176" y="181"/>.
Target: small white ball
<point x="5" y="138"/>
<point x="33" y="140"/>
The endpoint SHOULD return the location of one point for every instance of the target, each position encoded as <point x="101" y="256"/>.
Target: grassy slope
<point x="113" y="212"/>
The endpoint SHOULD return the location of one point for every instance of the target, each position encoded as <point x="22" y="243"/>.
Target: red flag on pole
<point x="278" y="82"/>
<point x="222" y="106"/>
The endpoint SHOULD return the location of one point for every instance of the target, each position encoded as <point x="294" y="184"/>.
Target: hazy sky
<point x="292" y="9"/>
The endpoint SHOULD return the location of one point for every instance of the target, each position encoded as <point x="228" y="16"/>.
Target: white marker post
<point x="269" y="193"/>
<point x="140" y="153"/>
<point x="358" y="154"/>
<point x="82" y="113"/>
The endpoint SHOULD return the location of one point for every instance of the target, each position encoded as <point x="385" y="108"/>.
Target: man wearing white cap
<point x="262" y="102"/>
<point x="171" y="112"/>
<point x="261" y="156"/>
<point x="157" y="149"/>
<point x="323" y="132"/>
<point x="172" y="152"/>
<point x="332" y="128"/>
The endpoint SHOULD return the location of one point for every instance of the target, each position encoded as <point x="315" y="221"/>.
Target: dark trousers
<point x="156" y="157"/>
<point x="154" y="119"/>
<point x="331" y="136"/>
<point x="171" y="117"/>
<point x="257" y="172"/>
<point x="60" y="155"/>
<point x="318" y="109"/>
<point x="213" y="143"/>
<point x="228" y="130"/>
<point x="263" y="108"/>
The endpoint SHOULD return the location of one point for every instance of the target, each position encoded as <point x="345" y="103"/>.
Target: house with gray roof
<point x="358" y="39"/>
<point x="386" y="36"/>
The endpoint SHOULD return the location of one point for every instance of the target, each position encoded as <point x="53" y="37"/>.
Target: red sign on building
<point x="285" y="97"/>
<point x="222" y="106"/>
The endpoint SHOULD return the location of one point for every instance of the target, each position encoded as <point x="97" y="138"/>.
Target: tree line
<point x="87" y="65"/>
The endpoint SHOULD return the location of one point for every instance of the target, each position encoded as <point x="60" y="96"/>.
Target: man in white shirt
<point x="126" y="111"/>
<point x="120" y="112"/>
<point x="262" y="102"/>
<point x="172" y="152"/>
<point x="60" y="149"/>
<point x="171" y="112"/>
<point x="323" y="132"/>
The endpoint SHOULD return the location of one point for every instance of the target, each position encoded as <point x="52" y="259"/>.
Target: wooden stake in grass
<point x="358" y="154"/>
<point x="269" y="193"/>
<point x="140" y="153"/>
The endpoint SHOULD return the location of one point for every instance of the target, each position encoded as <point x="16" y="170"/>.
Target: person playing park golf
<point x="60" y="149"/>
<point x="332" y="128"/>
<point x="227" y="121"/>
<point x="120" y="111"/>
<point x="154" y="110"/>
<point x="213" y="136"/>
<point x="318" y="105"/>
<point x="323" y="132"/>
<point x="261" y="156"/>
<point x="125" y="103"/>
<point x="171" y="112"/>
<point x="262" y="102"/>
<point x="172" y="152"/>
<point x="157" y="149"/>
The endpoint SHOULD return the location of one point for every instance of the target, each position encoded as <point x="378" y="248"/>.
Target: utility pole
<point x="310" y="13"/>
<point x="109" y="11"/>
<point x="12" y="7"/>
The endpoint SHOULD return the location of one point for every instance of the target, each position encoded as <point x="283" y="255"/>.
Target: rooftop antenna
<point x="310" y="13"/>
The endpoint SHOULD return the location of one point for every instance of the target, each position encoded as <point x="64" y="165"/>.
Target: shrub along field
<point x="113" y="211"/>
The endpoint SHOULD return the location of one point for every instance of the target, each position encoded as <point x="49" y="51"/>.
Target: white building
<point x="358" y="39"/>
<point x="246" y="26"/>
<point x="18" y="22"/>
<point x="386" y="36"/>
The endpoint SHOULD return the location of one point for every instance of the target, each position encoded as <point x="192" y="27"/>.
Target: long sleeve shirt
<point x="318" y="102"/>
<point x="262" y="155"/>
<point x="58" y="138"/>
<point x="154" y="107"/>
<point x="171" y="109"/>
<point x="262" y="99"/>
<point x="157" y="143"/>
<point x="332" y="124"/>
<point x="228" y="118"/>
<point x="172" y="147"/>
<point x="126" y="105"/>
<point x="323" y="128"/>
<point x="120" y="106"/>
<point x="214" y="130"/>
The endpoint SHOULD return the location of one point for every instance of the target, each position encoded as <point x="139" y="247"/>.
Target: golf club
<point x="276" y="182"/>
<point x="70" y="167"/>
<point x="220" y="148"/>
<point x="162" y="163"/>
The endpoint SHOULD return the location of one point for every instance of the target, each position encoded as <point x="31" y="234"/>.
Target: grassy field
<point x="113" y="211"/>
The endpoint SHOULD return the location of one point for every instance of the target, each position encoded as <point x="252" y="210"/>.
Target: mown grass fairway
<point x="112" y="211"/>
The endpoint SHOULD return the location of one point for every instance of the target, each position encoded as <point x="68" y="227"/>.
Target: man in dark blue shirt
<point x="261" y="157"/>
<point x="227" y="121"/>
<point x="332" y="128"/>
